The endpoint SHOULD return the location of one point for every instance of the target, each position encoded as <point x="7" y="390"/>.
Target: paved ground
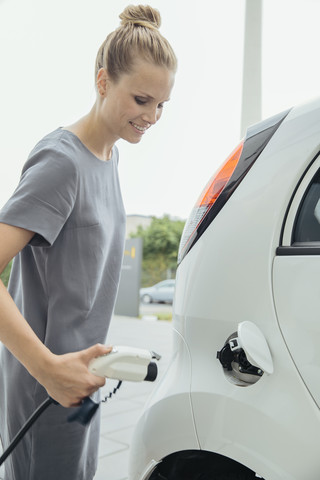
<point x="121" y="412"/>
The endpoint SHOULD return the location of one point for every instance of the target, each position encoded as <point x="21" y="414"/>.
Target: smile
<point x="141" y="129"/>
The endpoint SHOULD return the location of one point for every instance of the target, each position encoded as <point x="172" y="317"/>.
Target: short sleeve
<point x="44" y="197"/>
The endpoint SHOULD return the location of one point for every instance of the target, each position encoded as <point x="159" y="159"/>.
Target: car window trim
<point x="310" y="248"/>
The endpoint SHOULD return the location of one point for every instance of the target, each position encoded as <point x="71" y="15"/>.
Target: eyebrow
<point x="145" y="95"/>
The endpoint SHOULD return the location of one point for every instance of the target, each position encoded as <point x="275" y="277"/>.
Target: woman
<point x="65" y="227"/>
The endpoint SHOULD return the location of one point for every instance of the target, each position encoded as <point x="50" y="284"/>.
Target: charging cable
<point x="26" y="427"/>
<point x="122" y="363"/>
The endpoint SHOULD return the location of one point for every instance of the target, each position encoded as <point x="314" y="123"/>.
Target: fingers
<point x="70" y="381"/>
<point x="99" y="382"/>
<point x="92" y="353"/>
<point x="96" y="351"/>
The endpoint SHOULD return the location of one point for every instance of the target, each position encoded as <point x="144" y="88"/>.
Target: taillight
<point x="218" y="181"/>
<point x="224" y="183"/>
<point x="207" y="199"/>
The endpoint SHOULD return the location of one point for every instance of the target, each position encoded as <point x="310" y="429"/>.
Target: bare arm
<point x="65" y="377"/>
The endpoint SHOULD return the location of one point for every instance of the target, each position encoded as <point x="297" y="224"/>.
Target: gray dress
<point x="64" y="283"/>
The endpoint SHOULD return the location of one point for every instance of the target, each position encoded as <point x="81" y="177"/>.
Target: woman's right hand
<point x="67" y="378"/>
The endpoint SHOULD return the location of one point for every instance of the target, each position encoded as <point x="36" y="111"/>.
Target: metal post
<point x="251" y="82"/>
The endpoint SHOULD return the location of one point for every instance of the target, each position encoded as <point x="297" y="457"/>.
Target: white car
<point x="241" y="397"/>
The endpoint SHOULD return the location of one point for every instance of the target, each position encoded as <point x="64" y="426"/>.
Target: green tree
<point x="6" y="273"/>
<point x="160" y="248"/>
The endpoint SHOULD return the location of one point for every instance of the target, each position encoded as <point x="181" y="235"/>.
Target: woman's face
<point x="135" y="101"/>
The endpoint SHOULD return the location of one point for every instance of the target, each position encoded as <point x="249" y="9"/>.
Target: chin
<point x="133" y="140"/>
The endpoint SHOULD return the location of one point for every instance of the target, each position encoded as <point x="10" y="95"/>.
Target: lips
<point x="138" y="127"/>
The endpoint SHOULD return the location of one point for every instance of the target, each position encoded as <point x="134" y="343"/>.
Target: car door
<point x="296" y="279"/>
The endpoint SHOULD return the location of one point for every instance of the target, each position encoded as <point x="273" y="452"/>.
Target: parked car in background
<point x="241" y="398"/>
<point x="162" y="292"/>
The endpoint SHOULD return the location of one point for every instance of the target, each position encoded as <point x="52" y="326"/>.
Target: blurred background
<point x="47" y="52"/>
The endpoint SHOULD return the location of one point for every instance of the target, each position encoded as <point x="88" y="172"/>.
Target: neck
<point x="89" y="130"/>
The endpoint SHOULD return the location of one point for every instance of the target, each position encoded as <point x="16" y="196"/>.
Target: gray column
<point x="251" y="82"/>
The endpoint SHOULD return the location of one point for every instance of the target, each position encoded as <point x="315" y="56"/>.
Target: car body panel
<point x="240" y="248"/>
<point x="158" y="431"/>
<point x="297" y="298"/>
<point x="233" y="274"/>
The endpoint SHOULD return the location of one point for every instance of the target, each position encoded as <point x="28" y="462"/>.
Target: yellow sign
<point x="131" y="253"/>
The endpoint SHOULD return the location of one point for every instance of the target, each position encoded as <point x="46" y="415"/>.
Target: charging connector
<point x="126" y="363"/>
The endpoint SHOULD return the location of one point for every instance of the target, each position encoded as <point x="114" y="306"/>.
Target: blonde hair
<point x="137" y="37"/>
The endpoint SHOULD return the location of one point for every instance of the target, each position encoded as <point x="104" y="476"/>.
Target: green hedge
<point x="6" y="273"/>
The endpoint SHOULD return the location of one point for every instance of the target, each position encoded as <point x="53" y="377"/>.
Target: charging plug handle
<point x="85" y="412"/>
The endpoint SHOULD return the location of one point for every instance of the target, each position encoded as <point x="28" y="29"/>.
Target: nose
<point x="152" y="115"/>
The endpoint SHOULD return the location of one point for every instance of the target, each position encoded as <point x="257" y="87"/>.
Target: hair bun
<point x="141" y="16"/>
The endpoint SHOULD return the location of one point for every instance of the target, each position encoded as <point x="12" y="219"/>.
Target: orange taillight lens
<point x="208" y="197"/>
<point x="217" y="183"/>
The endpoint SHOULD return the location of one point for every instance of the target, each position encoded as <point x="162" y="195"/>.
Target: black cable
<point x="26" y="427"/>
<point x="89" y="407"/>
<point x="112" y="393"/>
<point x="82" y="415"/>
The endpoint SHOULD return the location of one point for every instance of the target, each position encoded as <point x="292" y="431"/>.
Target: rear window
<point x="307" y="225"/>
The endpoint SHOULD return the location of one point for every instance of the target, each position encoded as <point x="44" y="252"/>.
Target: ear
<point x="102" y="81"/>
